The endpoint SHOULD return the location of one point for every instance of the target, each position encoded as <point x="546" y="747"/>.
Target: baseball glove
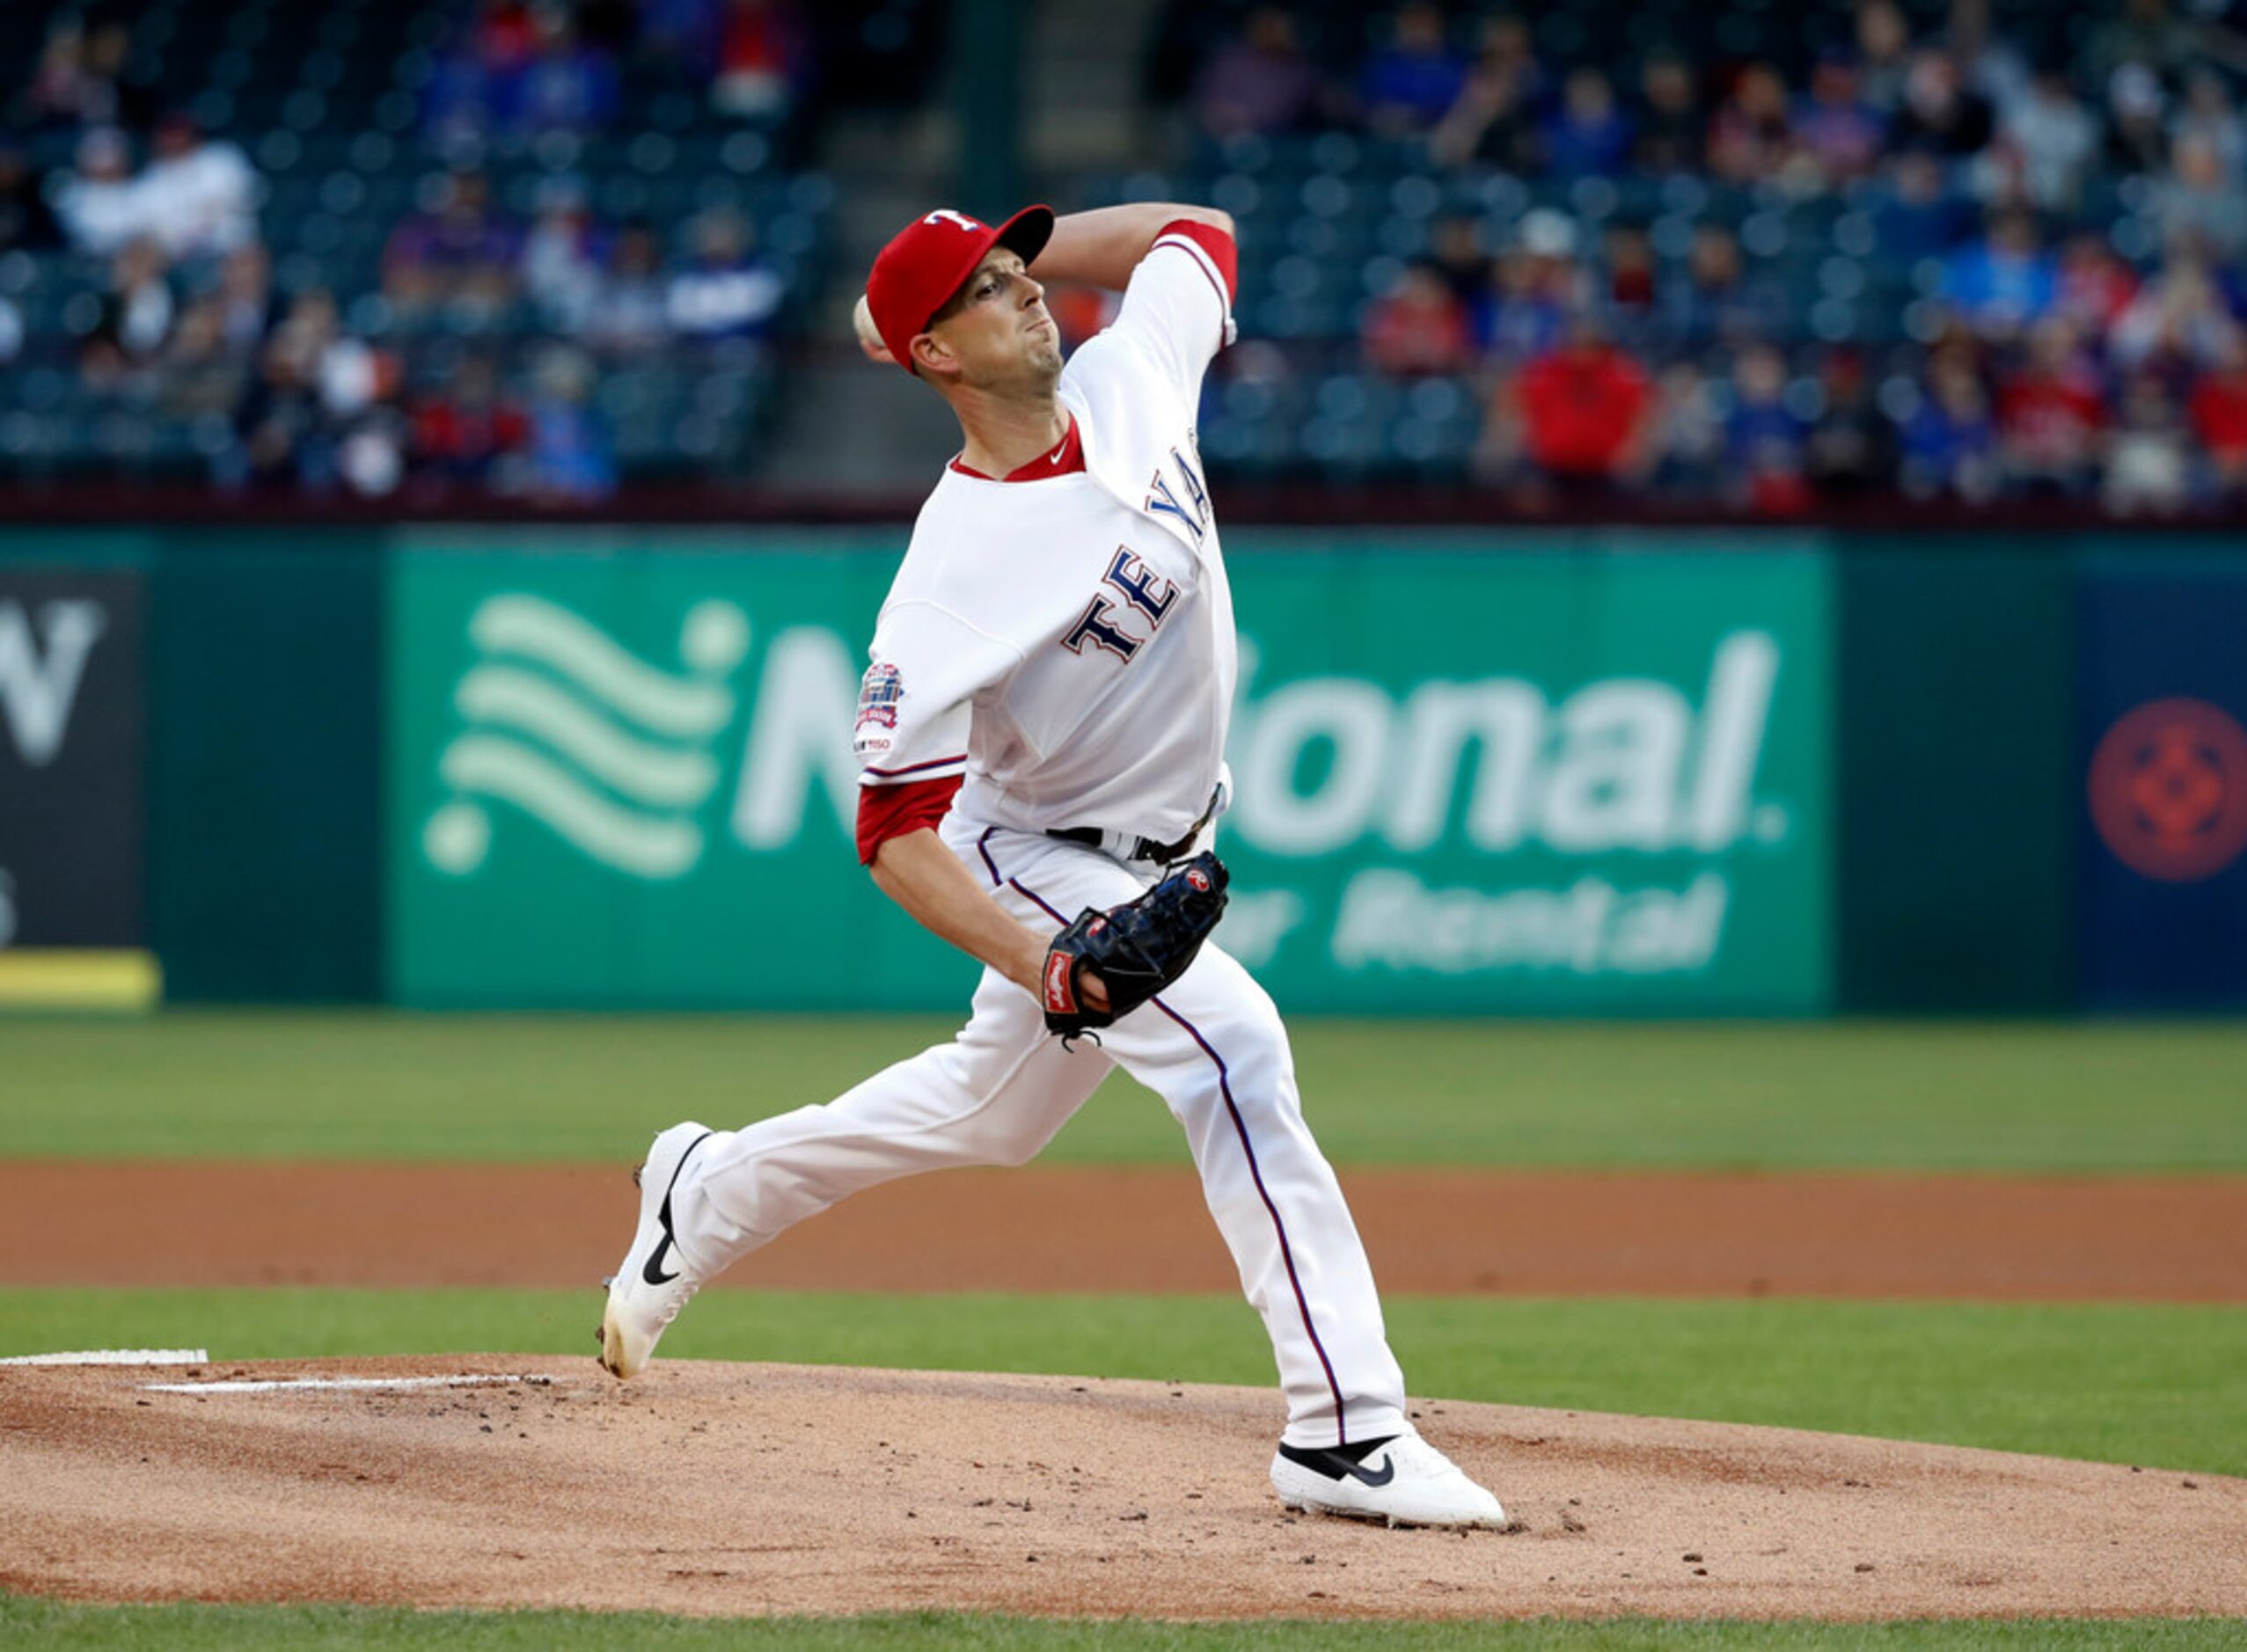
<point x="1136" y="949"/>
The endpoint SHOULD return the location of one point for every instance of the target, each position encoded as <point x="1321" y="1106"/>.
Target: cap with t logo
<point x="925" y="262"/>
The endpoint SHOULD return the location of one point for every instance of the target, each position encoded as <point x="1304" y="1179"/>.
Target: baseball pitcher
<point x="1040" y="735"/>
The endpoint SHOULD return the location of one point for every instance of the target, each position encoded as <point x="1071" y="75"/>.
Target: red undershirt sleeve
<point x="891" y="811"/>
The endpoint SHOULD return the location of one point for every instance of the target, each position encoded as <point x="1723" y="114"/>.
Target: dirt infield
<point x="753" y="1489"/>
<point x="1061" y="1228"/>
<point x="711" y="1488"/>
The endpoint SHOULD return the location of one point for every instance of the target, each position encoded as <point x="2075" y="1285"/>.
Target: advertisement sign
<point x="624" y="777"/>
<point x="1543" y="784"/>
<point x="1465" y="782"/>
<point x="2164" y="728"/>
<point x="72" y="734"/>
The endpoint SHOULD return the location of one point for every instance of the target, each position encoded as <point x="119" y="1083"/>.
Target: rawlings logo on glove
<point x="1136" y="949"/>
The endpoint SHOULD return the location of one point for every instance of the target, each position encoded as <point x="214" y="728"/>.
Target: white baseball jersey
<point x="1067" y="645"/>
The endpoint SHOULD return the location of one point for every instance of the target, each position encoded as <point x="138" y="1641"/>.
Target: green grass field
<point x="253" y="1629"/>
<point x="2006" y="1098"/>
<point x="2159" y="1385"/>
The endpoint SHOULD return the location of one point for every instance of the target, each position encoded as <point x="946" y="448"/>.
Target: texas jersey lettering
<point x="1129" y="578"/>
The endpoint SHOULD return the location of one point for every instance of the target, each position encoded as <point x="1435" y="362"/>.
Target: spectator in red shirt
<point x="506" y="35"/>
<point x="1627" y="287"/>
<point x="2051" y="415"/>
<point x="760" y="60"/>
<point x="1417" y="327"/>
<point x="462" y="434"/>
<point x="1582" y="412"/>
<point x="2219" y="409"/>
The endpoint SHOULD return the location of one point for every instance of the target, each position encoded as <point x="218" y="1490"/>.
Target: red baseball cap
<point x="925" y="262"/>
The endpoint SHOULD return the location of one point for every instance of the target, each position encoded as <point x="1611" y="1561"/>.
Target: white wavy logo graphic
<point x="561" y="722"/>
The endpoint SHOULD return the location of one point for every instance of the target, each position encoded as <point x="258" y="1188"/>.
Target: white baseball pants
<point x="1212" y="1045"/>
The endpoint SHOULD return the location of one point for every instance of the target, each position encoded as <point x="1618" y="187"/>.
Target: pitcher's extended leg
<point x="994" y="1095"/>
<point x="1213" y="1046"/>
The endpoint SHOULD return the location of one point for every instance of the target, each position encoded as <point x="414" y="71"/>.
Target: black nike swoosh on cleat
<point x="653" y="1272"/>
<point x="1335" y="1464"/>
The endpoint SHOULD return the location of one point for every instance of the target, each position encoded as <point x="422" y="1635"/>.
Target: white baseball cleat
<point x="1404" y="1481"/>
<point x="653" y="1283"/>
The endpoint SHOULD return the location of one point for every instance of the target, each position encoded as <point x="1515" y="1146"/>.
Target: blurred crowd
<point x="2073" y="225"/>
<point x="292" y="385"/>
<point x="1912" y="253"/>
<point x="526" y="67"/>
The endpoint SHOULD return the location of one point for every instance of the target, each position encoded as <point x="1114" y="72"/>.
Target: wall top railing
<point x="95" y="504"/>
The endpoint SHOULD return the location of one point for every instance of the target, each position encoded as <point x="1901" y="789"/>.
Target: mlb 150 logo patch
<point x="879" y="692"/>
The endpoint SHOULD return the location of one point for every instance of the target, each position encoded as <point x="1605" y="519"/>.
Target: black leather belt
<point x="1142" y="848"/>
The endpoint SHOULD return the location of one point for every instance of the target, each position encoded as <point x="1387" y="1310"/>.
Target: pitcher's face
<point x="995" y="330"/>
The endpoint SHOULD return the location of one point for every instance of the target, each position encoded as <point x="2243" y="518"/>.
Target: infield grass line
<point x="2016" y="1097"/>
<point x="2145" y="1384"/>
<point x="215" y="1629"/>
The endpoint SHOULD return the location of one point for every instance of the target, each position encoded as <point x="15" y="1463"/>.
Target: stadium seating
<point x="329" y="103"/>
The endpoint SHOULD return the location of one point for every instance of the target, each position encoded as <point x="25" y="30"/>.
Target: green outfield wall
<point x="1555" y="773"/>
<point x="1959" y="785"/>
<point x="1542" y="782"/>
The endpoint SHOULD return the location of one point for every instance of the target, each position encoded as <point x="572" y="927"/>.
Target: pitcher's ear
<point x="933" y="356"/>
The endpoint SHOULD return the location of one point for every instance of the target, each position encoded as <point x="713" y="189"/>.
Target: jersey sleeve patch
<point x="879" y="692"/>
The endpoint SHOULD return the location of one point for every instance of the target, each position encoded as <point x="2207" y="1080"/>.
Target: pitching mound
<point x="713" y="1488"/>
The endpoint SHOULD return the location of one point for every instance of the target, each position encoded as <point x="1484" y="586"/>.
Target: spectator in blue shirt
<point x="2004" y="282"/>
<point x="727" y="292"/>
<point x="1914" y="216"/>
<point x="1714" y="299"/>
<point x="1764" y="438"/>
<point x="568" y="457"/>
<point x="568" y="86"/>
<point x="1588" y="135"/>
<point x="1532" y="292"/>
<point x="1950" y="440"/>
<point x="1410" y="84"/>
